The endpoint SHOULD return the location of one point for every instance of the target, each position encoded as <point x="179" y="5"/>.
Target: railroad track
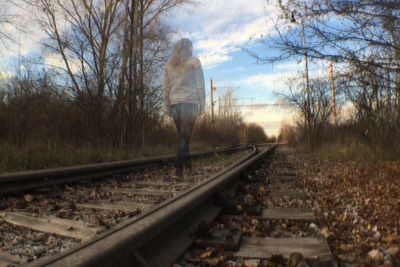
<point x="283" y="231"/>
<point x="29" y="180"/>
<point x="46" y="212"/>
<point x="250" y="213"/>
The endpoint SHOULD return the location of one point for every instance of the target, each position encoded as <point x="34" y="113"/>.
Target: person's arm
<point x="201" y="91"/>
<point x="166" y="88"/>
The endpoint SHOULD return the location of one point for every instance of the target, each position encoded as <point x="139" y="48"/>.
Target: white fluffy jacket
<point x="184" y="84"/>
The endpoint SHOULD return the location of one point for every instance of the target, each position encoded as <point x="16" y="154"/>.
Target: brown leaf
<point x="205" y="254"/>
<point x="261" y="189"/>
<point x="212" y="261"/>
<point x="350" y="257"/>
<point x="251" y="263"/>
<point x="376" y="256"/>
<point x="392" y="238"/>
<point x="346" y="247"/>
<point x="28" y="198"/>
<point x="394" y="251"/>
<point x="295" y="258"/>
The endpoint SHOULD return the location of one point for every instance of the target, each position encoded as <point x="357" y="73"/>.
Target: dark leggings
<point x="185" y="116"/>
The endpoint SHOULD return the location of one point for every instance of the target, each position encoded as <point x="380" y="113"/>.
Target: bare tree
<point x="376" y="119"/>
<point x="314" y="109"/>
<point x="111" y="51"/>
<point x="362" y="37"/>
<point x="143" y="50"/>
<point x="82" y="32"/>
<point x="361" y="34"/>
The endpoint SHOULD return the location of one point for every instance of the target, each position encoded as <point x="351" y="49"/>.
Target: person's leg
<point x="190" y="119"/>
<point x="184" y="137"/>
<point x="176" y="113"/>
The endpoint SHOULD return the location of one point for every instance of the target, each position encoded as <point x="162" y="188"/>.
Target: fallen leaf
<point x="28" y="198"/>
<point x="346" y="247"/>
<point x="325" y="232"/>
<point x="313" y="226"/>
<point x="212" y="261"/>
<point x="349" y="258"/>
<point x="205" y="254"/>
<point x="377" y="235"/>
<point x="261" y="189"/>
<point x="295" y="258"/>
<point x="392" y="238"/>
<point x="376" y="256"/>
<point x="251" y="263"/>
<point x="394" y="251"/>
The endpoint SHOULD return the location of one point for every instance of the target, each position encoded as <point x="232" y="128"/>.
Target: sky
<point x="220" y="31"/>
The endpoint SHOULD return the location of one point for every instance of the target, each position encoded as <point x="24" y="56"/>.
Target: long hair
<point x="181" y="54"/>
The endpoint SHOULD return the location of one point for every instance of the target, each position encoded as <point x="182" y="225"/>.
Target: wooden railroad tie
<point x="294" y="214"/>
<point x="118" y="205"/>
<point x="266" y="247"/>
<point x="53" y="225"/>
<point x="141" y="192"/>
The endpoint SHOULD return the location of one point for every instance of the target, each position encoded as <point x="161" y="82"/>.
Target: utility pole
<point x="211" y="101"/>
<point x="212" y="89"/>
<point x="333" y="102"/>
<point x="219" y="105"/>
<point x="19" y="55"/>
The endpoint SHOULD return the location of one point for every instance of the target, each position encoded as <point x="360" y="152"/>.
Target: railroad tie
<point x="266" y="247"/>
<point x="52" y="225"/>
<point x="136" y="191"/>
<point x="291" y="194"/>
<point x="127" y="206"/>
<point x="294" y="214"/>
<point x="315" y="249"/>
<point x="8" y="259"/>
<point x="160" y="184"/>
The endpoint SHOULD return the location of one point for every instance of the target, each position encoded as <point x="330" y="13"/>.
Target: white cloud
<point x="211" y="61"/>
<point x="222" y="44"/>
<point x="276" y="81"/>
<point x="221" y="27"/>
<point x="23" y="33"/>
<point x="5" y="74"/>
<point x="268" y="82"/>
<point x="56" y="61"/>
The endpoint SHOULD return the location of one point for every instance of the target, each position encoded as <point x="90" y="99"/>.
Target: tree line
<point x="362" y="40"/>
<point x="98" y="82"/>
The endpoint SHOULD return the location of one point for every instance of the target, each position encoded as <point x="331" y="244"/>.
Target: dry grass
<point x="345" y="151"/>
<point x="39" y="156"/>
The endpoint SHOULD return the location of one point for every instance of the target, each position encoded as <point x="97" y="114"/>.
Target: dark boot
<point x="179" y="175"/>
<point x="188" y="165"/>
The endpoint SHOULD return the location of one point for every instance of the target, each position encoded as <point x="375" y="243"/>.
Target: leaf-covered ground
<point x="359" y="203"/>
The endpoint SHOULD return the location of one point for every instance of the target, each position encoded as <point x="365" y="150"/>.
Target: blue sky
<point x="219" y="30"/>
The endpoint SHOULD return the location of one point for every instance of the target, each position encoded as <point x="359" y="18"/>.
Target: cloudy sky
<point x="219" y="30"/>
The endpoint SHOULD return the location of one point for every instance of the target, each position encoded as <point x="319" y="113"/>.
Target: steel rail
<point x="123" y="244"/>
<point x="14" y="182"/>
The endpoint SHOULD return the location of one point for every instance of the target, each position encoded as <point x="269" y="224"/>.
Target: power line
<point x="257" y="105"/>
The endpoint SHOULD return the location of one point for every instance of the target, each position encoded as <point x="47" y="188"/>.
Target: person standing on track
<point x="184" y="97"/>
